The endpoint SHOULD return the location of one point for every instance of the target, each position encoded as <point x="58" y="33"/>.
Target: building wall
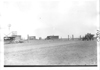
<point x="52" y="37"/>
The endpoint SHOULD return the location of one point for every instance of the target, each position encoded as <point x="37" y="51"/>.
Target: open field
<point x="51" y="52"/>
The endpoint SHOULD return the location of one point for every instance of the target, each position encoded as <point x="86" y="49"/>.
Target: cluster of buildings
<point x="47" y="38"/>
<point x="13" y="37"/>
<point x="17" y="38"/>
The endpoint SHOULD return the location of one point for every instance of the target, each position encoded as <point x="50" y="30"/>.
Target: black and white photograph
<point x="50" y="33"/>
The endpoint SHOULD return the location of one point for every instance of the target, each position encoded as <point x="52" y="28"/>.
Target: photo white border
<point x="47" y="68"/>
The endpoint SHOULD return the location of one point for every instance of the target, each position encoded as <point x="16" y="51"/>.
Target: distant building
<point x="31" y="37"/>
<point x="13" y="38"/>
<point x="52" y="37"/>
<point x="9" y="38"/>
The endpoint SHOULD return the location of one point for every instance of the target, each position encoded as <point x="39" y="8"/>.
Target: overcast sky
<point x="41" y="18"/>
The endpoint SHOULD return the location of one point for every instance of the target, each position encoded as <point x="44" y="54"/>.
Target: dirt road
<point x="51" y="53"/>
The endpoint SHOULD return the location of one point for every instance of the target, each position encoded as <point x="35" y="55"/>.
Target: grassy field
<point x="51" y="52"/>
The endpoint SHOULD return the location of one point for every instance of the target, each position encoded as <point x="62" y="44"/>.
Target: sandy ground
<point x="51" y="52"/>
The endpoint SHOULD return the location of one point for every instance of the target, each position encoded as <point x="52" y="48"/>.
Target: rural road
<point x="51" y="53"/>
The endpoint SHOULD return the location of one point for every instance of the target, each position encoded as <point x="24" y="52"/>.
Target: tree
<point x="88" y="36"/>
